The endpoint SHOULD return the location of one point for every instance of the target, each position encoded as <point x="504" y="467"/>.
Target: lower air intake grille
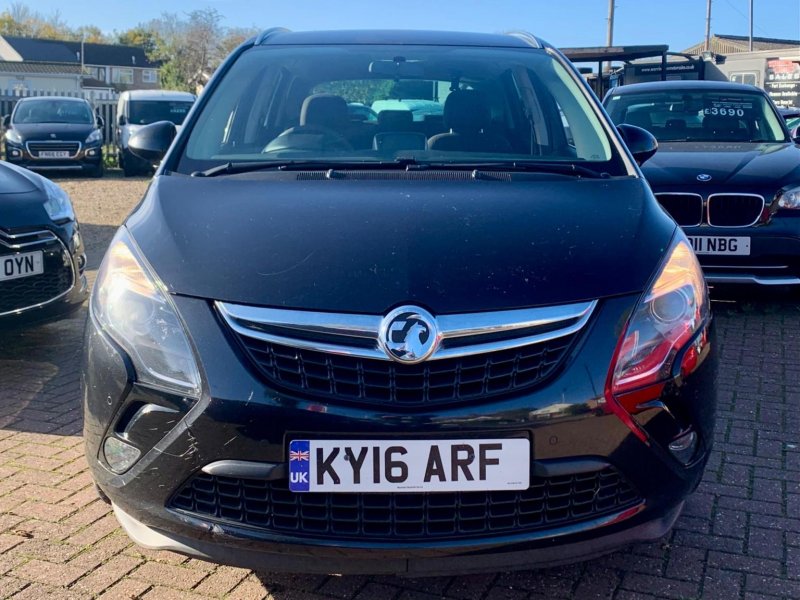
<point x="29" y="291"/>
<point x="270" y="506"/>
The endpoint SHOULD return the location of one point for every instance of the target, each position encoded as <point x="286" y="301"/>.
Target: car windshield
<point x="53" y="110"/>
<point x="144" y="112"/>
<point x="434" y="104"/>
<point x="698" y="115"/>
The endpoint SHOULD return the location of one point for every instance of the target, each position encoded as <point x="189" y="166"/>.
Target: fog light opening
<point x="683" y="447"/>
<point x="16" y="153"/>
<point x="120" y="455"/>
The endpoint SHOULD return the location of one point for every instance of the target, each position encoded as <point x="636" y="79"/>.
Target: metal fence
<point x="105" y="104"/>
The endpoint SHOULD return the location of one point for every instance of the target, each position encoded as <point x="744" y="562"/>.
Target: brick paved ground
<point x="738" y="539"/>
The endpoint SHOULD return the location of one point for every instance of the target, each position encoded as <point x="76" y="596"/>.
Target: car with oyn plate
<point x="42" y="258"/>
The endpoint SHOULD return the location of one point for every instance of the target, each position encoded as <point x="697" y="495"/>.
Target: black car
<point x="54" y="133"/>
<point x="41" y="253"/>
<point x="728" y="172"/>
<point x="403" y="346"/>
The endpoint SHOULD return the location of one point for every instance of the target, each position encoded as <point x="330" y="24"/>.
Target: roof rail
<point x="526" y="37"/>
<point x="267" y="33"/>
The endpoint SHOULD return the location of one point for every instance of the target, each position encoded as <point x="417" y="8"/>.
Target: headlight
<point x="133" y="307"/>
<point x="95" y="136"/>
<point x="663" y="324"/>
<point x="13" y="136"/>
<point x="58" y="205"/>
<point x="790" y="197"/>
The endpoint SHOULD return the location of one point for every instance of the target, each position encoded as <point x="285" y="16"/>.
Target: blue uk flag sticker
<point x="299" y="465"/>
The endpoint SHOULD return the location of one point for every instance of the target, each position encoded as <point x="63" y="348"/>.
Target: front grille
<point x="734" y="210"/>
<point x="385" y="382"/>
<point x="34" y="148"/>
<point x="16" y="294"/>
<point x="686" y="209"/>
<point x="270" y="506"/>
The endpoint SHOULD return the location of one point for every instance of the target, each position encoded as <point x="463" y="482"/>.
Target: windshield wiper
<point x="533" y="166"/>
<point x="233" y="168"/>
<point x="407" y="163"/>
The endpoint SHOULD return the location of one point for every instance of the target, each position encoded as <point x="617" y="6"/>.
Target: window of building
<point x="149" y="76"/>
<point x="746" y="78"/>
<point x="98" y="73"/>
<point x="122" y="75"/>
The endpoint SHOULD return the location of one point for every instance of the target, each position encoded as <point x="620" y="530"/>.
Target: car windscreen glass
<point x="144" y="112"/>
<point x="432" y="103"/>
<point x="53" y="111"/>
<point x="698" y="115"/>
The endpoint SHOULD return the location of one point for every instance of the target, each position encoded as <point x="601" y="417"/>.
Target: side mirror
<point x="642" y="144"/>
<point x="100" y="122"/>
<point x="122" y="120"/>
<point x="152" y="141"/>
<point x="6" y="121"/>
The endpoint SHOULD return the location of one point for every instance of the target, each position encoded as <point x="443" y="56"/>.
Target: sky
<point x="679" y="23"/>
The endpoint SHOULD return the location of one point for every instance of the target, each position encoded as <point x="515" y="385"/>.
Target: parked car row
<point x="463" y="331"/>
<point x="61" y="134"/>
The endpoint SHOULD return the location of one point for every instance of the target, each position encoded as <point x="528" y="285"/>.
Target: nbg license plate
<point x="54" y="154"/>
<point x="21" y="265"/>
<point x="721" y="245"/>
<point x="409" y="465"/>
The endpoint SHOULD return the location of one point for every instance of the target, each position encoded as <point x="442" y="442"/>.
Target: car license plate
<point x="409" y="465"/>
<point x="54" y="154"/>
<point x="21" y="265"/>
<point x="721" y="245"/>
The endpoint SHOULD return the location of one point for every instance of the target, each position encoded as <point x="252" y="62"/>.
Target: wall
<point x="55" y="83"/>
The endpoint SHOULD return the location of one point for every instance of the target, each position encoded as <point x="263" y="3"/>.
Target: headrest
<point x="640" y="118"/>
<point x="465" y="111"/>
<point x="395" y="120"/>
<point x="327" y="110"/>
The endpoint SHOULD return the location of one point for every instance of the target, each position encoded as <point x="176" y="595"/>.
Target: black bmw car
<point x="727" y="170"/>
<point x="469" y="342"/>
<point x="53" y="133"/>
<point x="41" y="252"/>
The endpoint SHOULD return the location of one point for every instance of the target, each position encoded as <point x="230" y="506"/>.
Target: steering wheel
<point x="308" y="137"/>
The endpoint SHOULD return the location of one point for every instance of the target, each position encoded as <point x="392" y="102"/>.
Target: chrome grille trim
<point x="756" y="220"/>
<point x="277" y="325"/>
<point x="14" y="240"/>
<point x="69" y="146"/>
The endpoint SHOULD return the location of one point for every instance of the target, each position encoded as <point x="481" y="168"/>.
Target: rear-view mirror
<point x="399" y="67"/>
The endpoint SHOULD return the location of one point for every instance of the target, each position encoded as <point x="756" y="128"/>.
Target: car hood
<point x="366" y="246"/>
<point x="54" y="131"/>
<point x="739" y="164"/>
<point x="22" y="198"/>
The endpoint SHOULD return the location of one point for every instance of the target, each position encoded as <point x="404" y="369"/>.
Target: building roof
<point x="613" y="53"/>
<point x="730" y="44"/>
<point x="66" y="51"/>
<point x="39" y="68"/>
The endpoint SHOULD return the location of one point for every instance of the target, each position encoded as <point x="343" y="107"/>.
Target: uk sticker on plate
<point x="409" y="465"/>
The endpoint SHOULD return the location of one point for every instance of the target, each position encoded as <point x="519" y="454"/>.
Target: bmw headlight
<point x="13" y="136"/>
<point x="95" y="137"/>
<point x="58" y="205"/>
<point x="133" y="307"/>
<point x="789" y="197"/>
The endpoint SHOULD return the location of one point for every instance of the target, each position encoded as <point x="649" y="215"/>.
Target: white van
<point x="142" y="107"/>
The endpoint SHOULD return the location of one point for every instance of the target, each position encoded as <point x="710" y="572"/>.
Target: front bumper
<point x="226" y="547"/>
<point x="774" y="257"/>
<point x="87" y="159"/>
<point x="241" y="419"/>
<point x="36" y="310"/>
